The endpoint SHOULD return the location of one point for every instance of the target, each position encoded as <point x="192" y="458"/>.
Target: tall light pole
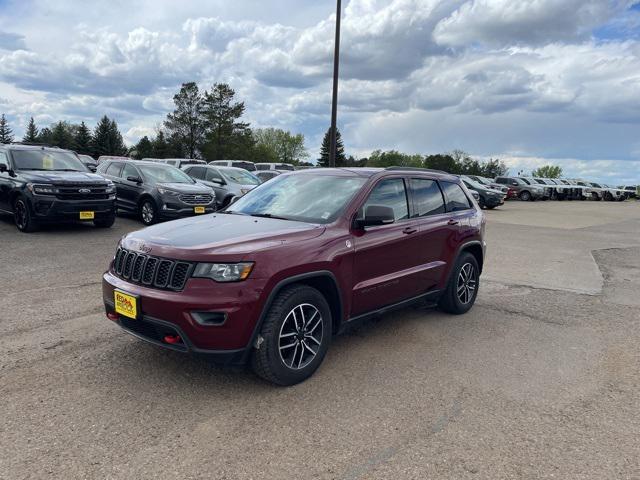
<point x="334" y="105"/>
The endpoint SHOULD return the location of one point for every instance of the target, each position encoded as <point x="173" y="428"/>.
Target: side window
<point x="129" y="171"/>
<point x="196" y="172"/>
<point x="171" y="162"/>
<point x="213" y="175"/>
<point x="502" y="180"/>
<point x="113" y="169"/>
<point x="456" y="198"/>
<point x="428" y="197"/>
<point x="4" y="160"/>
<point x="390" y="193"/>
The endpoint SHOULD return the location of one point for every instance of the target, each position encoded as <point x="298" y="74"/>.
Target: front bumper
<point x="163" y="311"/>
<point x="175" y="208"/>
<point x="52" y="209"/>
<point x="492" y="201"/>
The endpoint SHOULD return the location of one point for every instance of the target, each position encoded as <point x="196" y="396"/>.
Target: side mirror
<point x="3" y="168"/>
<point x="219" y="181"/>
<point x="91" y="167"/>
<point x="137" y="180"/>
<point x="376" y="215"/>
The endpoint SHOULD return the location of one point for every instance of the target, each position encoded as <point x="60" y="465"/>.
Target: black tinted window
<point x="113" y="169"/>
<point x="428" y="197"/>
<point x="390" y="193"/>
<point x="129" y="171"/>
<point x="196" y="172"/>
<point x="456" y="198"/>
<point x="213" y="175"/>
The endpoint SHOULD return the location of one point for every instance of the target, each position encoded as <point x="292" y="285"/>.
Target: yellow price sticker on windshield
<point x="47" y="162"/>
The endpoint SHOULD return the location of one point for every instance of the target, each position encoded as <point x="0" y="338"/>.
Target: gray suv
<point x="227" y="182"/>
<point x="524" y="191"/>
<point x="155" y="191"/>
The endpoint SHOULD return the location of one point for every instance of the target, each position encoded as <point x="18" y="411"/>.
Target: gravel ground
<point x="540" y="380"/>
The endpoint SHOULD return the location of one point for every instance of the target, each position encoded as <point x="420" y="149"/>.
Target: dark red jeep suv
<point x="275" y="276"/>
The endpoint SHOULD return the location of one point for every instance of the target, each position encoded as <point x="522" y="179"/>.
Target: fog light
<point x="210" y="318"/>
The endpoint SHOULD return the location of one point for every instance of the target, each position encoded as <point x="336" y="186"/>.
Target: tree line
<point x="209" y="124"/>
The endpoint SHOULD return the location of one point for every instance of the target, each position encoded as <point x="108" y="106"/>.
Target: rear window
<point x="456" y="198"/>
<point x="428" y="197"/>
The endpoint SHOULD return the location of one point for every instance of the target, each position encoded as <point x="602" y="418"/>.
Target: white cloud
<point x="523" y="79"/>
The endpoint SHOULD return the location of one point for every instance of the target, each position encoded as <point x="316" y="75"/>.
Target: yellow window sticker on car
<point x="47" y="162"/>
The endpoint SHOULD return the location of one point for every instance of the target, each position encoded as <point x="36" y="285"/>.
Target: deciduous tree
<point x="186" y="122"/>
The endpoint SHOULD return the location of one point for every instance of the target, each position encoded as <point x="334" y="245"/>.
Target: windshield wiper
<point x="267" y="215"/>
<point x="65" y="170"/>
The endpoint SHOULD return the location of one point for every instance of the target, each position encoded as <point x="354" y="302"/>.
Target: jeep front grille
<point x="151" y="271"/>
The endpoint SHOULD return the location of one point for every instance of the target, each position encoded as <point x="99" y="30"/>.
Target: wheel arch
<point x="322" y="280"/>
<point x="475" y="248"/>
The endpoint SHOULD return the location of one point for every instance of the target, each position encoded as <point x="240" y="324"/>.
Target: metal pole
<point x="334" y="106"/>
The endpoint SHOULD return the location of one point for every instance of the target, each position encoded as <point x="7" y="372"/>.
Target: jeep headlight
<point x="223" y="272"/>
<point x="42" y="189"/>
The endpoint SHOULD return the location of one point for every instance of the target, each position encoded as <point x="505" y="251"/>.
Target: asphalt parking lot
<point x="540" y="380"/>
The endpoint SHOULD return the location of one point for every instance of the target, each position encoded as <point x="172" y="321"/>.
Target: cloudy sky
<point x="530" y="81"/>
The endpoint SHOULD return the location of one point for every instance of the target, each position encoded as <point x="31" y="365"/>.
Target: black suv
<point x="50" y="185"/>
<point x="155" y="190"/>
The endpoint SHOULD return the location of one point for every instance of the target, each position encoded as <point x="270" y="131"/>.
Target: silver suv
<point x="227" y="182"/>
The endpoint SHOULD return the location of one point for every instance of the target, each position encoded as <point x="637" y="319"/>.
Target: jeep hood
<point x="218" y="235"/>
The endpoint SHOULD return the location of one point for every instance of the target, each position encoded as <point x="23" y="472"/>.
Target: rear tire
<point x="525" y="196"/>
<point x="462" y="289"/>
<point x="23" y="217"/>
<point x="296" y="335"/>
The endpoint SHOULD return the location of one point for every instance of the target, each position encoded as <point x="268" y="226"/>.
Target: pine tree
<point x="6" y="133"/>
<point x="107" y="139"/>
<point x="160" y="146"/>
<point x="61" y="136"/>
<point x="226" y="136"/>
<point x="325" y="150"/>
<point x="31" y="134"/>
<point x="45" y="136"/>
<point x="144" y="148"/>
<point x="186" y="123"/>
<point x="83" y="140"/>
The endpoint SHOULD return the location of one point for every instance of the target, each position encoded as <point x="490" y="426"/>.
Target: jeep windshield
<point x="303" y="198"/>
<point x="164" y="174"/>
<point x="47" y="160"/>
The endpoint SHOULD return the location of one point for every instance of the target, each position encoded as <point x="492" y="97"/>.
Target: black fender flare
<point x="278" y="288"/>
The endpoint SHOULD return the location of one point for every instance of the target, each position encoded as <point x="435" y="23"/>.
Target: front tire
<point x="148" y="212"/>
<point x="525" y="196"/>
<point x="296" y="335"/>
<point x="462" y="289"/>
<point x="22" y="216"/>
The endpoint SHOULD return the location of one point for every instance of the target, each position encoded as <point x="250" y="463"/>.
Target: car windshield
<point x="304" y="198"/>
<point x="164" y="174"/>
<point x="240" y="176"/>
<point x="47" y="160"/>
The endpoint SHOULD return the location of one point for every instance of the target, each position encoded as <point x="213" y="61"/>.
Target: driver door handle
<point x="453" y="221"/>
<point x="409" y="230"/>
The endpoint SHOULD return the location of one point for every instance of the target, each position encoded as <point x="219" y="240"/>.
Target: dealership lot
<point x="541" y="379"/>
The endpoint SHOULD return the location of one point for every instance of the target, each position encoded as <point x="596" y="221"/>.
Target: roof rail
<point x="34" y="144"/>
<point x="415" y="169"/>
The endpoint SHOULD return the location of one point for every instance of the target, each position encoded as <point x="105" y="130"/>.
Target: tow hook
<point x="172" y="339"/>
<point x="258" y="342"/>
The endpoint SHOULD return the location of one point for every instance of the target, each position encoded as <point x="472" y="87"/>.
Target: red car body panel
<point x="371" y="269"/>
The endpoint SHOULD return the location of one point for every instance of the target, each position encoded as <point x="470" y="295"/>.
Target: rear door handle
<point x="453" y="222"/>
<point x="409" y="230"/>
